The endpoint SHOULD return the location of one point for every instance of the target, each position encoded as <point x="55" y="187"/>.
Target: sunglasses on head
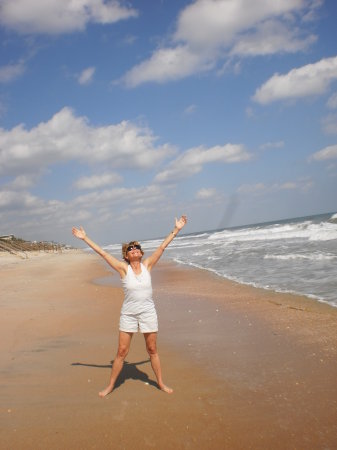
<point x="133" y="247"/>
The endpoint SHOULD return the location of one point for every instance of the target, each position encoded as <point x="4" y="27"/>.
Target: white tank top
<point x="137" y="291"/>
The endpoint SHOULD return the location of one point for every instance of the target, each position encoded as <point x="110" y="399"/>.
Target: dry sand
<point x="251" y="369"/>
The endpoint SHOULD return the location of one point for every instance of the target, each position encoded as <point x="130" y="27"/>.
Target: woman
<point x="138" y="310"/>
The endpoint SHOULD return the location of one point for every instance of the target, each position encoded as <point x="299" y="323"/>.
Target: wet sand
<point x="250" y="368"/>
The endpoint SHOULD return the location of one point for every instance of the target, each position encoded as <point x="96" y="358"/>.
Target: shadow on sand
<point x="129" y="370"/>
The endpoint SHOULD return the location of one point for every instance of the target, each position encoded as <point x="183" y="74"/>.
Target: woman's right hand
<point x="79" y="232"/>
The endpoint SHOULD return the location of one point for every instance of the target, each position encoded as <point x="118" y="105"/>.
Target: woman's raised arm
<point x="119" y="266"/>
<point x="154" y="258"/>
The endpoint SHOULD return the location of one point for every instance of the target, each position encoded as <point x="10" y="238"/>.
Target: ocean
<point x="295" y="256"/>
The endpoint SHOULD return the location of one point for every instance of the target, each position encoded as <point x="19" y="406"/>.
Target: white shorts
<point x="147" y="322"/>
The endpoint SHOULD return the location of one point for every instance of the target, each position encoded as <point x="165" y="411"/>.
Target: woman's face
<point x="134" y="253"/>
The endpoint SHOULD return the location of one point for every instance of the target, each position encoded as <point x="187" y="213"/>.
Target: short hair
<point x="126" y="245"/>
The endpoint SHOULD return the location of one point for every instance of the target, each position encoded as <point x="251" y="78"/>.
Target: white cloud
<point x="272" y="37"/>
<point x="66" y="137"/>
<point x="329" y="124"/>
<point x="332" y="167"/>
<point x="129" y="40"/>
<point x="134" y="213"/>
<point x="250" y="112"/>
<point x="231" y="65"/>
<point x="22" y="212"/>
<point x="289" y="185"/>
<point x="252" y="188"/>
<point x="332" y="101"/>
<point x="209" y="31"/>
<point x="22" y="182"/>
<point x="98" y="181"/>
<point x="326" y="153"/>
<point x="27" y="215"/>
<point x="167" y="64"/>
<point x="10" y="198"/>
<point x="190" y="109"/>
<point x="86" y="75"/>
<point x="206" y="193"/>
<point x="261" y="188"/>
<point x="268" y="145"/>
<point x="138" y="198"/>
<point x="192" y="161"/>
<point x="11" y="71"/>
<point x="60" y="16"/>
<point x="214" y="23"/>
<point x="311" y="13"/>
<point x="302" y="185"/>
<point x="312" y="79"/>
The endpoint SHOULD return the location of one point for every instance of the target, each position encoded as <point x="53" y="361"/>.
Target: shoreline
<point x="255" y="286"/>
<point x="239" y="358"/>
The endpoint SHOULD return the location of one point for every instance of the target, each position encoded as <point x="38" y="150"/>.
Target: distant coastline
<point x="20" y="247"/>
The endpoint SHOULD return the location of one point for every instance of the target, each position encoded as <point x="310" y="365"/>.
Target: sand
<point x="250" y="369"/>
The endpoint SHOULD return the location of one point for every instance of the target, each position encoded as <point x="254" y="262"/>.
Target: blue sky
<point x="119" y="116"/>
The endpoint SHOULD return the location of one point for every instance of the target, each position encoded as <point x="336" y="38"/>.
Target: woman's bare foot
<point x="106" y="391"/>
<point x="166" y="389"/>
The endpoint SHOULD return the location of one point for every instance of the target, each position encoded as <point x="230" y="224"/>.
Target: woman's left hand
<point x="180" y="223"/>
<point x="79" y="232"/>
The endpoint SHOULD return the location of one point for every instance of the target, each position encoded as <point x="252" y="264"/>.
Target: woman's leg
<point x="123" y="349"/>
<point x="151" y="347"/>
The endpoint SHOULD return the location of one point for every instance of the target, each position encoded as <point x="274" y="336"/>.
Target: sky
<point x="120" y="116"/>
